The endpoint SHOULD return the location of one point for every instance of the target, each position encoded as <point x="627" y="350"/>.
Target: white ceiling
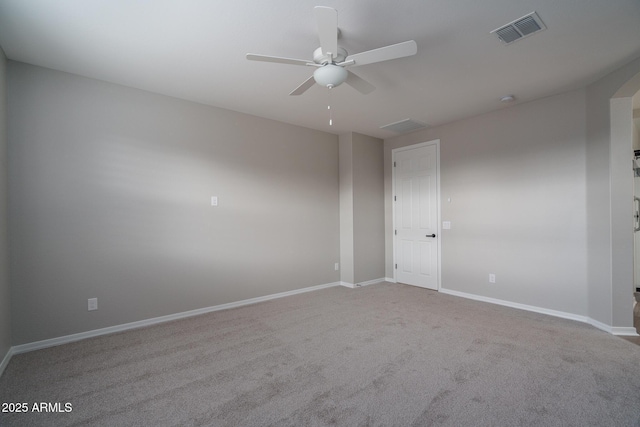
<point x="195" y="50"/>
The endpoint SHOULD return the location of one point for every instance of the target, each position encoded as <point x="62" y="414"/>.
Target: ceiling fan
<point x="332" y="61"/>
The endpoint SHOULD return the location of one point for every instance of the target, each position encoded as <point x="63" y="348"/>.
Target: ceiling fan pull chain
<point x="329" y="107"/>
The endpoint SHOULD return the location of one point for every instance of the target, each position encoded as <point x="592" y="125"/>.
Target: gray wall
<point x="347" y="269"/>
<point x="603" y="208"/>
<point x="516" y="179"/>
<point x="361" y="208"/>
<point x="111" y="192"/>
<point x="5" y="294"/>
<point x="368" y="208"/>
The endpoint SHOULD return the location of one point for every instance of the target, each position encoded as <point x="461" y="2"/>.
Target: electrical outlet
<point x="336" y="266"/>
<point x="92" y="304"/>
<point x="492" y="278"/>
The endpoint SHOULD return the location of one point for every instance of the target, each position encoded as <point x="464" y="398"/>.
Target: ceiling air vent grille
<point x="520" y="28"/>
<point x="406" y="125"/>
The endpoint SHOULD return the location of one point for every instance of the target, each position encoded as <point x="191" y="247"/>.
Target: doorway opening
<point x="636" y="206"/>
<point x="621" y="207"/>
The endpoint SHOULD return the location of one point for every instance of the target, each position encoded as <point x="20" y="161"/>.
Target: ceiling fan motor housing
<point x="321" y="58"/>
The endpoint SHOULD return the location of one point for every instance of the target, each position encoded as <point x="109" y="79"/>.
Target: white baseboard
<point x="600" y="325"/>
<point x="624" y="332"/>
<point x="23" y="348"/>
<point x="5" y="360"/>
<point x="370" y="282"/>
<point x="555" y="313"/>
<point x="614" y="330"/>
<point x="390" y="279"/>
<point x="360" y="284"/>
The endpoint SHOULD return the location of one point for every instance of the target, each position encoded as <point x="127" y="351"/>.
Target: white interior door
<point x="416" y="216"/>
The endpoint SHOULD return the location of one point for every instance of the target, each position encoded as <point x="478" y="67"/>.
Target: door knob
<point x="430" y="235"/>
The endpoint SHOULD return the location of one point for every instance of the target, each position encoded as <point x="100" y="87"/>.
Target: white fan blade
<point x="359" y="84"/>
<point x="265" y="58"/>
<point x="304" y="86"/>
<point x="386" y="53"/>
<point x="327" y="29"/>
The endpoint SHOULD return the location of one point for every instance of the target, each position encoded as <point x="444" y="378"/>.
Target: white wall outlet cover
<point x="336" y="266"/>
<point x="492" y="278"/>
<point x="214" y="200"/>
<point x="92" y="304"/>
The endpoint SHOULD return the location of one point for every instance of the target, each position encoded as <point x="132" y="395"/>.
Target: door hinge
<point x="395" y="232"/>
<point x="394" y="164"/>
<point x="396" y="266"/>
<point x="394" y="198"/>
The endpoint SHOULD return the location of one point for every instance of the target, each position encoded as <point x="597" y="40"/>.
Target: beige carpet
<point x="382" y="355"/>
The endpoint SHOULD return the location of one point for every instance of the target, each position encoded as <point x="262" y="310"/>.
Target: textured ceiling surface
<point x="195" y="50"/>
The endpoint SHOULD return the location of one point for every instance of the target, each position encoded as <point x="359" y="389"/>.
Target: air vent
<point x="406" y="125"/>
<point x="520" y="28"/>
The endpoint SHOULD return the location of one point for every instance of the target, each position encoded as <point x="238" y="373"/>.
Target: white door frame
<point x="435" y="142"/>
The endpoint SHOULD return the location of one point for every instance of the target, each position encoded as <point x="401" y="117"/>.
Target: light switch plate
<point x="446" y="225"/>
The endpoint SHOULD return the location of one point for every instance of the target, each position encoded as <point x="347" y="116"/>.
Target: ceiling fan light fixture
<point x="330" y="75"/>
